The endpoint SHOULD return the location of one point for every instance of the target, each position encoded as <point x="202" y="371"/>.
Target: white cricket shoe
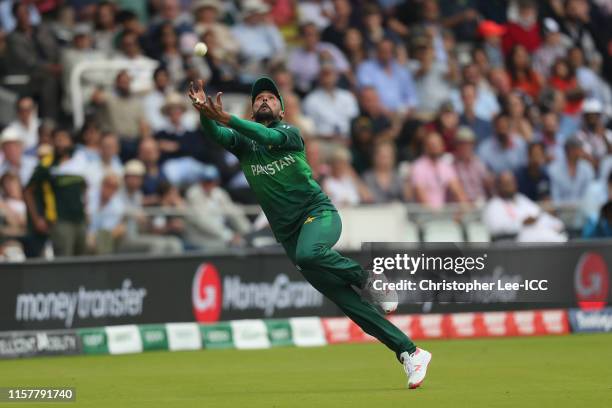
<point x="386" y="299"/>
<point x="415" y="365"/>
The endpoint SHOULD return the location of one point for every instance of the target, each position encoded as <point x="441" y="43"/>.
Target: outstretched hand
<point x="213" y="110"/>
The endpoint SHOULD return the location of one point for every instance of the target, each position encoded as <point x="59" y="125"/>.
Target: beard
<point x="264" y="114"/>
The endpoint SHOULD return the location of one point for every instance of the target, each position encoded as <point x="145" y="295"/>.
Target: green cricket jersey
<point x="274" y="163"/>
<point x="61" y="188"/>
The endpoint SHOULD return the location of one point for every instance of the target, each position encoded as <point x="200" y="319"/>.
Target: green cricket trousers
<point x="332" y="274"/>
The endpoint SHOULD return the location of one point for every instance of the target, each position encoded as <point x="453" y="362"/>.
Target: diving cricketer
<point x="302" y="217"/>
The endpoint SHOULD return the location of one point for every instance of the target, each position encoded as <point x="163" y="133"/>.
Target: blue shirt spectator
<point x="504" y="151"/>
<point x="533" y="180"/>
<point x="570" y="177"/>
<point x="392" y="81"/>
<point x="601" y="226"/>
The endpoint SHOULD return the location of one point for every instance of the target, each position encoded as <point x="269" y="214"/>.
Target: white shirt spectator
<point x="507" y="216"/>
<point x="331" y="111"/>
<point x="27" y="132"/>
<point x="342" y="191"/>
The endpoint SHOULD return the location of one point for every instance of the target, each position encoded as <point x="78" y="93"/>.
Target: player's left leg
<point x="318" y="234"/>
<point x="310" y="250"/>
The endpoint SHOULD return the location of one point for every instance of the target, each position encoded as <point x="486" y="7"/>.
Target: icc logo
<point x="206" y="294"/>
<point x="591" y="281"/>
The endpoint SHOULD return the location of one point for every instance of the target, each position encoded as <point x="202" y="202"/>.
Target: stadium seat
<point x="375" y="224"/>
<point x="477" y="232"/>
<point x="442" y="230"/>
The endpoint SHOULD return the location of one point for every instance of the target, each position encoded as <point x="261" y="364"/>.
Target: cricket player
<point x="303" y="219"/>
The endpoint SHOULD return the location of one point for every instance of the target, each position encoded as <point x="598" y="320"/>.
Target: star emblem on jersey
<point x="309" y="220"/>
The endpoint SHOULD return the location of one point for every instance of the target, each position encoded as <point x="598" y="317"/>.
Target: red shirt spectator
<point x="525" y="31"/>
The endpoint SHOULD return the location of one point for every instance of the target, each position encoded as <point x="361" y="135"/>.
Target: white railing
<point x="76" y="90"/>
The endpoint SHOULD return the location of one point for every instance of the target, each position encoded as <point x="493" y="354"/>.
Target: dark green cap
<point x="266" y="84"/>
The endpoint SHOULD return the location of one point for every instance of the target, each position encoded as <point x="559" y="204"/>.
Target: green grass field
<point x="569" y="371"/>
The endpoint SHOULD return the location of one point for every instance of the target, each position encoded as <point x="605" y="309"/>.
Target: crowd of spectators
<point x="500" y="104"/>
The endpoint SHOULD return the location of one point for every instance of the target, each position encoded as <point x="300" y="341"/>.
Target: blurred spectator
<point x="428" y="23"/>
<point x="595" y="137"/>
<point x="305" y="62"/>
<point x="170" y="12"/>
<point x="393" y="83"/>
<point x="336" y="32"/>
<point x="105" y="28"/>
<point x="550" y="136"/>
<point x="154" y="99"/>
<point x="224" y="66"/>
<point x="373" y="30"/>
<point x="570" y="176"/>
<point x="434" y="178"/>
<point x="148" y="154"/>
<point x="475" y="179"/>
<point x="81" y="50"/>
<point x="383" y="180"/>
<point x="26" y="124"/>
<point x="575" y="26"/>
<point x="315" y="11"/>
<point x="139" y="66"/>
<point x="332" y="109"/>
<point x="319" y="167"/>
<point x="12" y="159"/>
<point x="109" y="153"/>
<point x="177" y="138"/>
<point x="491" y="34"/>
<point x="12" y="207"/>
<point x="600" y="227"/>
<point x="138" y="235"/>
<point x="122" y="112"/>
<point x="597" y="194"/>
<point x="525" y="31"/>
<point x="482" y="128"/>
<point x="485" y="105"/>
<point x="63" y="211"/>
<point x="373" y="111"/>
<point x="563" y="78"/>
<point x="342" y="185"/>
<point x="170" y="55"/>
<point x="207" y="15"/>
<point x="522" y="76"/>
<point x="511" y="214"/>
<point x="260" y="41"/>
<point x="446" y="124"/>
<point x="504" y="151"/>
<point x="294" y="116"/>
<point x="589" y="82"/>
<point x="33" y="51"/>
<point x="430" y="79"/>
<point x="461" y="17"/>
<point x="169" y="222"/>
<point x="107" y="213"/>
<point x="533" y="181"/>
<point x="8" y="21"/>
<point x="514" y="107"/>
<point x="213" y="221"/>
<point x="551" y="49"/>
<point x="354" y="48"/>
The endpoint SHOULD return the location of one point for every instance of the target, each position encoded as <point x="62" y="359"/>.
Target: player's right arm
<point x="228" y="138"/>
